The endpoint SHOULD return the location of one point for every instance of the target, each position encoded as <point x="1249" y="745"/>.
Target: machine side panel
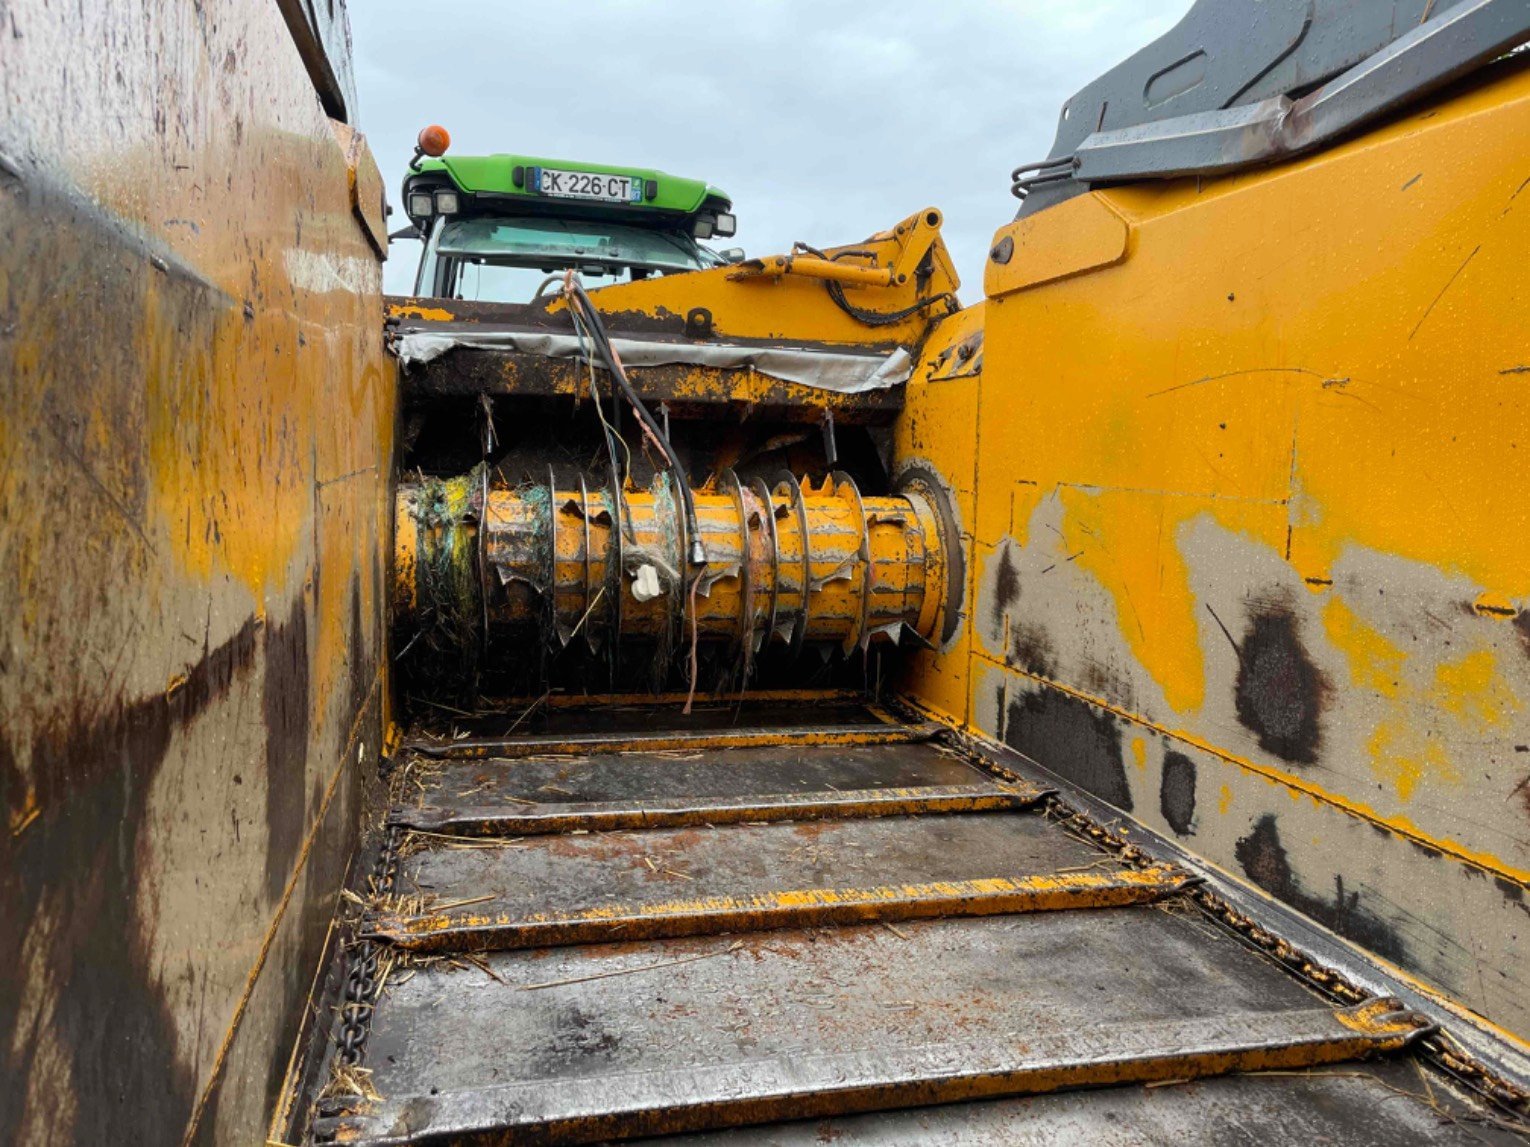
<point x="1248" y="537"/>
<point x="196" y="416"/>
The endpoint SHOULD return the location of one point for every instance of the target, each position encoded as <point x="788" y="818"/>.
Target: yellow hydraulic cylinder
<point x="786" y="562"/>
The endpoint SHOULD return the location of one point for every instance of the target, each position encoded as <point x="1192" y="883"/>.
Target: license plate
<point x="588" y="185"/>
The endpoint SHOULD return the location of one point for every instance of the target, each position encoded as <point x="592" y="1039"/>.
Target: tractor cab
<point x="505" y="228"/>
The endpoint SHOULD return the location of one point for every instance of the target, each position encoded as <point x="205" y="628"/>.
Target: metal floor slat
<point x="636" y="940"/>
<point x="580" y="1044"/>
<point x="668" y="789"/>
<point x="709" y="726"/>
<point x="1381" y="1104"/>
<point x="674" y="882"/>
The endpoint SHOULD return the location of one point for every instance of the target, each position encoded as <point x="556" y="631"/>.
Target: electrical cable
<point x="619" y="475"/>
<point x="651" y="428"/>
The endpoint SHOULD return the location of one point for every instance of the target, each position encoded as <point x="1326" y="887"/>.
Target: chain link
<point x="361" y="977"/>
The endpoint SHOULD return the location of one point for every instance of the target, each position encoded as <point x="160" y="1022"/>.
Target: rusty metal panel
<point x="1247" y="533"/>
<point x="191" y="561"/>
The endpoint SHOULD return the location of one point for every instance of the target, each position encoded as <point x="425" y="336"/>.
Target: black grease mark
<point x="1280" y="692"/>
<point x="1176" y="793"/>
<point x="1073" y="739"/>
<point x="1512" y="892"/>
<point x="1006" y="589"/>
<point x="1106" y="681"/>
<point x="285" y="706"/>
<point x="1522" y="791"/>
<point x="1522" y="627"/>
<point x="1264" y="861"/>
<point x="1427" y="850"/>
<point x="71" y="889"/>
<point x="1031" y="649"/>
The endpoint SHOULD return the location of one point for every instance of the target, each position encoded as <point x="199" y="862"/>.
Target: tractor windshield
<point x="510" y="258"/>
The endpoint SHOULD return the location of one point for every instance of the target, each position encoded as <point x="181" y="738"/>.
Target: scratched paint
<point x="194" y="458"/>
<point x="795" y="908"/>
<point x="1253" y="496"/>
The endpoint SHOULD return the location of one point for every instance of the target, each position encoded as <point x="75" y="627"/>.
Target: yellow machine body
<point x="1244" y="474"/>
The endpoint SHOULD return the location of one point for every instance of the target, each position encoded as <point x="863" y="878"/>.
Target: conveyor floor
<point x="832" y="929"/>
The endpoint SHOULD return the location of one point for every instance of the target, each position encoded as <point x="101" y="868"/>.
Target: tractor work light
<point x="725" y="226"/>
<point x="446" y="203"/>
<point x="702" y="227"/>
<point x="421" y="203"/>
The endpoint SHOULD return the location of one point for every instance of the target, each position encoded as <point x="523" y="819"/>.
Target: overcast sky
<point x="825" y="120"/>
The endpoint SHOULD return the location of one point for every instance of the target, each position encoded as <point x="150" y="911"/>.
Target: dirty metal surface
<point x="1269" y="596"/>
<point x="196" y="428"/>
<point x="1381" y="1104"/>
<point x="691" y="881"/>
<point x="751" y="307"/>
<point x="543" y="730"/>
<point x="640" y="719"/>
<point x="580" y="1044"/>
<point x="669" y="789"/>
<point x="736" y="737"/>
<point x="690" y="392"/>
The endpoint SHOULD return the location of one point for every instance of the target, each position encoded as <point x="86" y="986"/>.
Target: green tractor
<point x="505" y="228"/>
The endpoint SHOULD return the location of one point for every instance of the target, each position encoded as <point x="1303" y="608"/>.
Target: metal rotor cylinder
<point x="787" y="563"/>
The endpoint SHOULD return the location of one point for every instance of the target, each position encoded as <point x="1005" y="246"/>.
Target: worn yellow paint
<point x="788" y="907"/>
<point x="1318" y="365"/>
<point x="545" y="818"/>
<point x="1139" y="753"/>
<point x="1375" y="662"/>
<point x="1224" y="800"/>
<point x="1398" y="754"/>
<point x="1296" y="785"/>
<point x="414" y="310"/>
<point x="1378" y="1017"/>
<point x="1472" y="690"/>
<point x="1135" y="557"/>
<point x="1351" y="381"/>
<point x="1496" y="605"/>
<point x="194" y="372"/>
<point x="1402" y="751"/>
<point x="935" y="434"/>
<point x="796" y="306"/>
<point x="873" y="564"/>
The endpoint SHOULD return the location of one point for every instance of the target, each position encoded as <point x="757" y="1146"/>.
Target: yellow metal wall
<point x="1246" y="483"/>
<point x="195" y="423"/>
